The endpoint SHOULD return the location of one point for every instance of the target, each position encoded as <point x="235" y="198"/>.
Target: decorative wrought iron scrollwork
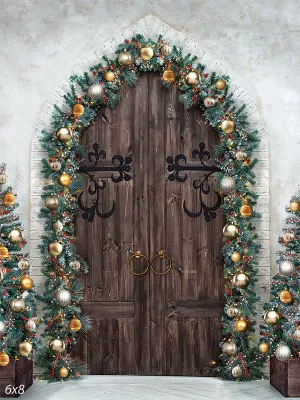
<point x="178" y="167"/>
<point x="120" y="165"/>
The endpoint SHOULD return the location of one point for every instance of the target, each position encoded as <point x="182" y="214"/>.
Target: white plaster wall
<point x="256" y="42"/>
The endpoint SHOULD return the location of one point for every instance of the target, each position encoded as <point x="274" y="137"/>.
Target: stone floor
<point x="150" y="388"/>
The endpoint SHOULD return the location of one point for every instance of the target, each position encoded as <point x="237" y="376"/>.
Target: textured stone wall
<point x="255" y="42"/>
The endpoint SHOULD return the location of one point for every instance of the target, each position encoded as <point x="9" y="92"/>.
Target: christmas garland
<point x="99" y="88"/>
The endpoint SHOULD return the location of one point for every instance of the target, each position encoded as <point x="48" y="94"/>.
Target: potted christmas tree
<point x="280" y="335"/>
<point x="18" y="320"/>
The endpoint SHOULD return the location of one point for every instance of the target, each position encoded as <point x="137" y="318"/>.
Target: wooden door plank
<point x="139" y="105"/>
<point x="158" y="228"/>
<point x="173" y="195"/>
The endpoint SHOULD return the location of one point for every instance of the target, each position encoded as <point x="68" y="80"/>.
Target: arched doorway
<point x="150" y="324"/>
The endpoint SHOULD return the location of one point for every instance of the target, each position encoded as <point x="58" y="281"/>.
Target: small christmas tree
<point x="281" y="331"/>
<point x="18" y="320"/>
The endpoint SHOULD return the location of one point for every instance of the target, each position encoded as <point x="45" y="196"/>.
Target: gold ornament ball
<point x="77" y="110"/>
<point x="124" y="58"/>
<point x="229" y="348"/>
<point x="230" y="231"/>
<point x="15" y="236"/>
<point x="25" y="348"/>
<point x="236" y="256"/>
<point x="286" y="297"/>
<point x="4" y="359"/>
<point x="64" y="134"/>
<point x="241" y="155"/>
<point x="146" y="53"/>
<point x="271" y="318"/>
<point x="264" y="347"/>
<point x="64" y="179"/>
<point x="55" y="248"/>
<point x="237" y="372"/>
<point x="241" y="325"/>
<point x="169" y="75"/>
<point x="166" y="49"/>
<point x="241" y="280"/>
<point x="221" y="84"/>
<point x="75" y="325"/>
<point x="3" y="252"/>
<point x="227" y="126"/>
<point x="26" y="283"/>
<point x="18" y="305"/>
<point x="52" y="202"/>
<point x="3" y="178"/>
<point x="9" y="199"/>
<point x="192" y="78"/>
<point x="294" y="205"/>
<point x="63" y="372"/>
<point x="232" y="312"/>
<point x="109" y="76"/>
<point x="57" y="346"/>
<point x="23" y="264"/>
<point x="246" y="211"/>
<point x="296" y="334"/>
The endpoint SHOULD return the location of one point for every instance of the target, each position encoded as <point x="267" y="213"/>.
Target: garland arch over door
<point x="63" y="266"/>
<point x="150" y="324"/>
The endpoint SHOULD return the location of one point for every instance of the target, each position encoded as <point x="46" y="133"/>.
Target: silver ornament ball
<point x="95" y="91"/>
<point x="62" y="297"/>
<point x="286" y="268"/>
<point x="2" y="328"/>
<point x="227" y="184"/>
<point x="283" y="352"/>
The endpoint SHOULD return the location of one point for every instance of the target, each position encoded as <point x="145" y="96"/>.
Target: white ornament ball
<point x="232" y="312"/>
<point x="286" y="268"/>
<point x="283" y="352"/>
<point x="296" y="334"/>
<point x="95" y="91"/>
<point x="55" y="166"/>
<point x="237" y="371"/>
<point x="3" y="178"/>
<point x="63" y="297"/>
<point x="75" y="265"/>
<point x="23" y="264"/>
<point x="58" y="226"/>
<point x="30" y="326"/>
<point x="227" y="184"/>
<point x="2" y="328"/>
<point x="209" y="102"/>
<point x="166" y="49"/>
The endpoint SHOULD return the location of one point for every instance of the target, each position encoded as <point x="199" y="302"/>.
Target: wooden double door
<point x="149" y="324"/>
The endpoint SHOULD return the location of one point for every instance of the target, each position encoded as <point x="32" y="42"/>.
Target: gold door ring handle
<point x="138" y="255"/>
<point x="161" y="254"/>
